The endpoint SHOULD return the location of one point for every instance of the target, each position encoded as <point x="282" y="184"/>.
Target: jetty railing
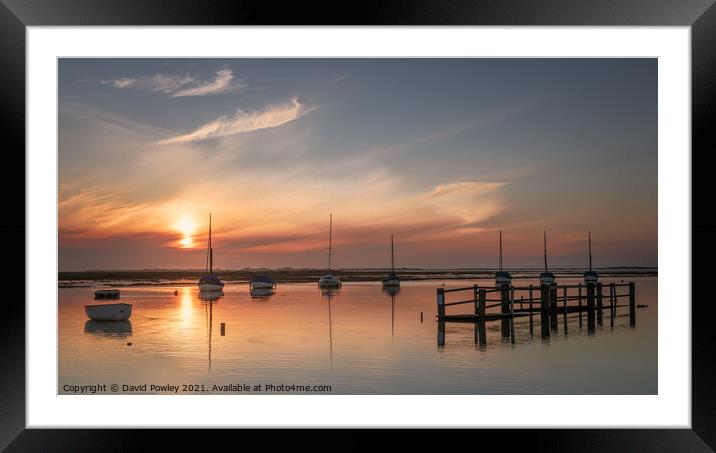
<point x="549" y="301"/>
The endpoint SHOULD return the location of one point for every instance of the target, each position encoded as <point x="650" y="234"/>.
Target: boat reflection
<point x="123" y="328"/>
<point x="262" y="293"/>
<point x="211" y="296"/>
<point x="392" y="291"/>
<point x="328" y="293"/>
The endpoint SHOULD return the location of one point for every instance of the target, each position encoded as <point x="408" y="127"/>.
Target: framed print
<point x="236" y="225"/>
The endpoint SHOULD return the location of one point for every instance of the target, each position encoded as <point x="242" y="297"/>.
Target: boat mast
<point x="545" y="251"/>
<point x="211" y="251"/>
<point x="500" y="250"/>
<point x="392" y="256"/>
<point x="330" y="237"/>
<point x="590" y="251"/>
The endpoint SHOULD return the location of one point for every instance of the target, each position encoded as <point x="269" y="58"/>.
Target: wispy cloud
<point x="466" y="188"/>
<point x="242" y="122"/>
<point x="340" y="78"/>
<point x="181" y="85"/>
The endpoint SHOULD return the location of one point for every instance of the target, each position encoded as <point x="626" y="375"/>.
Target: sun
<point x="186" y="226"/>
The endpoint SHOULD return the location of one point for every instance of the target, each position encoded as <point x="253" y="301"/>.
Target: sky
<point x="440" y="153"/>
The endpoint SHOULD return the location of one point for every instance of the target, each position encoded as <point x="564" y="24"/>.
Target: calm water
<point x="358" y="340"/>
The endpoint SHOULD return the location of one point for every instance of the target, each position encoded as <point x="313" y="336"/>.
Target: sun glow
<point x="186" y="226"/>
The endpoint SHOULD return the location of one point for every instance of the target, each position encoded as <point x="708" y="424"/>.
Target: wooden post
<point x="599" y="304"/>
<point x="522" y="301"/>
<point x="441" y="332"/>
<point x="612" y="303"/>
<point x="421" y="317"/>
<point x="441" y="303"/>
<point x="512" y="317"/>
<point x="477" y="316"/>
<point x="564" y="297"/>
<point x="580" y="305"/>
<point x="482" y="301"/>
<point x="474" y="298"/>
<point x="505" y="310"/>
<point x="223" y="329"/>
<point x="544" y="310"/>
<point x="554" y="322"/>
<point x="532" y="330"/>
<point x="590" y="308"/>
<point x="632" y="305"/>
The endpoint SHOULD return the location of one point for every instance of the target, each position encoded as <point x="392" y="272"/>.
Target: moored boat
<point x="209" y="281"/>
<point x="262" y="282"/>
<point x="329" y="280"/>
<point x="502" y="277"/>
<point x="109" y="312"/>
<point x="546" y="277"/>
<point x="392" y="280"/>
<point x="590" y="276"/>
<point x="106" y="294"/>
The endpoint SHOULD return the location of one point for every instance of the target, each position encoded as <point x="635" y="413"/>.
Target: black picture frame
<point x="700" y="15"/>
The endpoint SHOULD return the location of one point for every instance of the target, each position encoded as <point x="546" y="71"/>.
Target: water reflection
<point x="210" y="298"/>
<point x="329" y="293"/>
<point x="109" y="328"/>
<point x="262" y="293"/>
<point x="347" y="338"/>
<point x="392" y="291"/>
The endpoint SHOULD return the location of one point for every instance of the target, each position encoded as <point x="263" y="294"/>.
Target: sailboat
<point x="392" y="279"/>
<point x="502" y="277"/>
<point x="209" y="281"/>
<point x="329" y="280"/>
<point x="546" y="277"/>
<point x="590" y="277"/>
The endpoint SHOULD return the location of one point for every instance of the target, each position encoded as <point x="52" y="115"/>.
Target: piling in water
<point x="544" y="310"/>
<point x="441" y="303"/>
<point x="553" y="308"/>
<point x="505" y="309"/>
<point x="590" y="308"/>
<point x="632" y="305"/>
<point x="482" y="302"/>
<point x="599" y="304"/>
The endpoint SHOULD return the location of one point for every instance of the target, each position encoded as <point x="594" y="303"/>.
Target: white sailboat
<point x="590" y="277"/>
<point x="329" y="280"/>
<point x="209" y="281"/>
<point x="546" y="277"/>
<point x="392" y="279"/>
<point x="502" y="277"/>
<point x="262" y="282"/>
<point x="109" y="312"/>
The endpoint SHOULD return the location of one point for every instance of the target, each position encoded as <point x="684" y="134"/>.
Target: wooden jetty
<point x="548" y="301"/>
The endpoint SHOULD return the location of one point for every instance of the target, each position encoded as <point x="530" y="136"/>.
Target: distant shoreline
<point x="181" y="277"/>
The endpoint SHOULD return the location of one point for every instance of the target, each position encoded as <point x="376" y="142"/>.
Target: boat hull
<point x="329" y="281"/>
<point x="208" y="287"/>
<point x="262" y="285"/>
<point x="109" y="312"/>
<point x="547" y="278"/>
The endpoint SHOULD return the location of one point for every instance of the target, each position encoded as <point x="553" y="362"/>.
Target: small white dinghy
<point x="109" y="312"/>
